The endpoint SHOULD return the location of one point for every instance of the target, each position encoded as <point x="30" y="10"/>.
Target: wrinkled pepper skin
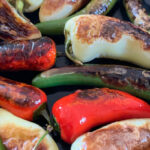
<point x="135" y="81"/>
<point x="79" y="112"/>
<point x="21" y="99"/>
<point x="37" y="55"/>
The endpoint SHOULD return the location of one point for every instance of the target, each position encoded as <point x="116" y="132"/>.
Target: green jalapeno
<point x="132" y="80"/>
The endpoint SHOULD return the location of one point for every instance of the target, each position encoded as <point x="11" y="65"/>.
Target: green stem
<point x="40" y="140"/>
<point x="46" y="116"/>
<point x="19" y="6"/>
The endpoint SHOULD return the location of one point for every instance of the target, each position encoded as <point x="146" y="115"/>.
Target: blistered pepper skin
<point x="37" y="55"/>
<point x="79" y="112"/>
<point x="20" y="99"/>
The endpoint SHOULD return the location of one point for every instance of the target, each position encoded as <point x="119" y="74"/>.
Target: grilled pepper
<point x="36" y="55"/>
<point x="22" y="100"/>
<point x="19" y="134"/>
<point x="93" y="7"/>
<point x="133" y="134"/>
<point x="137" y="13"/>
<point x="13" y="26"/>
<point x="132" y="80"/>
<point x="77" y="113"/>
<point x="56" y="9"/>
<point x="93" y="36"/>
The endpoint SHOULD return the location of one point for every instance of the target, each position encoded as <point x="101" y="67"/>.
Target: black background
<point x="54" y="94"/>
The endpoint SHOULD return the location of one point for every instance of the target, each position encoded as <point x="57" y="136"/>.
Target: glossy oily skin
<point x="102" y="104"/>
<point x="92" y="36"/>
<point x="124" y="135"/>
<point x="20" y="134"/>
<point x="57" y="9"/>
<point x="135" y="81"/>
<point x="21" y="99"/>
<point x="13" y="26"/>
<point x="36" y="54"/>
<point x="137" y="13"/>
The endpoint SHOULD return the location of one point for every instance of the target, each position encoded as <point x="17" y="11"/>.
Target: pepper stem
<point x="20" y="7"/>
<point x="49" y="129"/>
<point x="44" y="113"/>
<point x="70" y="54"/>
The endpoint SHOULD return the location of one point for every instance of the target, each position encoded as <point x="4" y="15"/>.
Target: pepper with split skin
<point x="77" y="113"/>
<point x="22" y="100"/>
<point x="135" y="81"/>
<point x="56" y="27"/>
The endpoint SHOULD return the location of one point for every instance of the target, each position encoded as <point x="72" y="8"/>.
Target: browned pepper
<point x="36" y="54"/>
<point x="22" y="100"/>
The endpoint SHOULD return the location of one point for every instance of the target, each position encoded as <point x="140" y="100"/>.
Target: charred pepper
<point x="132" y="80"/>
<point x="22" y="100"/>
<point x="77" y="113"/>
<point x="36" y="55"/>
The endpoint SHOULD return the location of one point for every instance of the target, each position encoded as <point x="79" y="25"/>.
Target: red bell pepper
<point x="22" y="100"/>
<point x="79" y="112"/>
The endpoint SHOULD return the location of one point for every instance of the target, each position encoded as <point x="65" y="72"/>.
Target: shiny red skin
<point x="37" y="55"/>
<point x="20" y="99"/>
<point x="77" y="113"/>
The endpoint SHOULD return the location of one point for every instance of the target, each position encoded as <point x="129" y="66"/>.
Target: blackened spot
<point x="116" y="28"/>
<point x="90" y="94"/>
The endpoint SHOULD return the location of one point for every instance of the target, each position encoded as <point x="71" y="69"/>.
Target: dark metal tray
<point x="56" y="93"/>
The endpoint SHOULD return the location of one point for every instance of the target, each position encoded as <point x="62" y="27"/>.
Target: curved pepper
<point x="108" y="37"/>
<point x="135" y="81"/>
<point x="13" y="26"/>
<point x="36" y="55"/>
<point x="56" y="27"/>
<point x="22" y="100"/>
<point x="56" y="9"/>
<point x="132" y="134"/>
<point x="79" y="112"/>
